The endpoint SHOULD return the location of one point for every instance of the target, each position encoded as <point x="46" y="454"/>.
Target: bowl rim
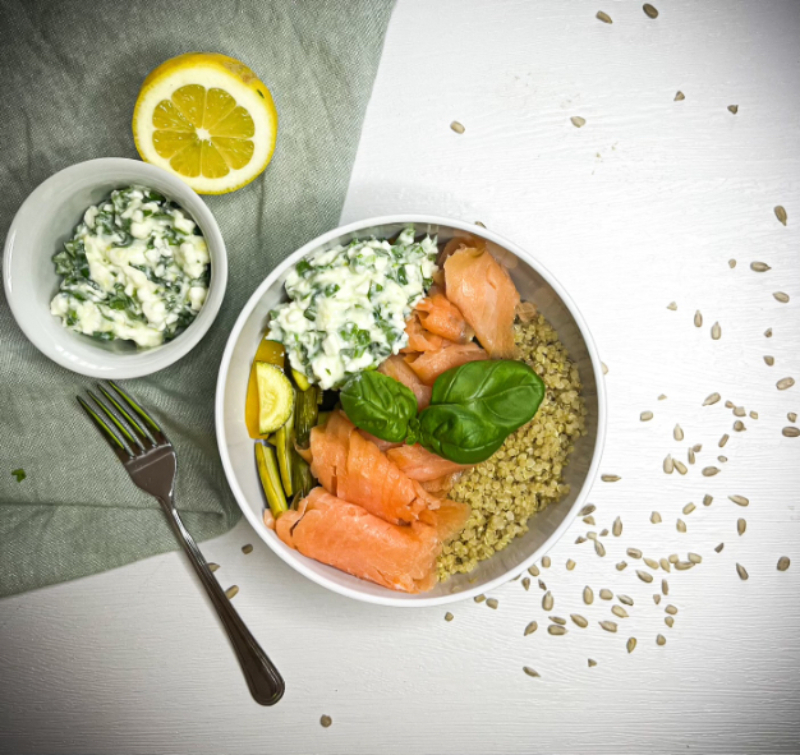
<point x="140" y="363"/>
<point x="410" y="219"/>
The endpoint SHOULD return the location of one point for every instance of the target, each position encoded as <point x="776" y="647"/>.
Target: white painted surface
<point x="133" y="660"/>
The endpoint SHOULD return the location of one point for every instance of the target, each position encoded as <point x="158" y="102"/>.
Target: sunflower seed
<point x="626" y="599"/>
<point x="247" y="549"/>
<point x="759" y="267"/>
<point x="723" y="440"/>
<point x="672" y="306"/>
<point x="619" y="611"/>
<point x="671" y="610"/>
<point x="609" y="626"/>
<point x="616" y="528"/>
<point x="679" y="96"/>
<point x="533" y="570"/>
<point x="650" y="10"/>
<point x="669" y="621"/>
<point x="729" y="404"/>
<point x="577" y="121"/>
<point x="753" y="415"/>
<point x="780" y="213"/>
<point x="212" y="566"/>
<point x="482" y="225"/>
<point x="325" y="721"/>
<point x="529" y="671"/>
<point x="645" y="576"/>
<point x="660" y="639"/>
<point x="655" y="518"/>
<point x="448" y="616"/>
<point x="606" y="594"/>
<point x="599" y="548"/>
<point x="768" y="333"/>
<point x="697" y="448"/>
<point x="492" y="603"/>
<point x="707" y="500"/>
<point x="739" y="411"/>
<point x="546" y="562"/>
<point x="690" y="456"/>
<point x="622" y="565"/>
<point x="558" y="620"/>
<point x="542" y="585"/>
<point x="673" y="558"/>
<point x="580" y="539"/>
<point x="591" y="535"/>
<point x="783" y="563"/>
<point x="634" y="552"/>
<point x="677" y="433"/>
<point x="684" y="565"/>
<point x="651" y="562"/>
<point x="742" y="572"/>
<point x="680" y="525"/>
<point x="731" y="263"/>
<point x="791" y="432"/>
<point x="665" y="565"/>
<point x="603" y="532"/>
<point x="662" y="396"/>
<point x="457" y="127"/>
<point x="556" y="629"/>
<point x="479" y="598"/>
<point x="792" y="417"/>
<point x="530" y="629"/>
<point x="547" y="601"/>
<point x="610" y="478"/>
<point x="739" y="500"/>
<point x="680" y="466"/>
<point x="588" y="595"/>
<point x="716" y="331"/>
<point x="719" y="548"/>
<point x="586" y="510"/>
<point x="579" y="620"/>
<point x="733" y="108"/>
<point x="784" y="383"/>
<point x="739" y="426"/>
<point x="646" y="416"/>
<point x="712" y="399"/>
<point x="781" y="297"/>
<point x="631" y="644"/>
<point x="604" y="17"/>
<point x="669" y="464"/>
<point x="605" y="368"/>
<point x="710" y="471"/>
<point x="665" y="587"/>
<point x="698" y="319"/>
<point x="592" y="662"/>
<point x="526" y="583"/>
<point x="570" y="564"/>
<point x="589" y="520"/>
<point x="741" y="526"/>
<point x="769" y="360"/>
<point x="656" y="598"/>
<point x="695" y="558"/>
<point x="231" y="592"/>
<point x="689" y="508"/>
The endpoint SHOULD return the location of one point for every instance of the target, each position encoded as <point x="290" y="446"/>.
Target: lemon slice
<point x="208" y="119"/>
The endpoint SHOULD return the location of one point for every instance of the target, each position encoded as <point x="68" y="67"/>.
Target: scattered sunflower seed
<point x="741" y="526"/>
<point x="651" y="562"/>
<point x="530" y="629"/>
<point x="479" y="598"/>
<point x="739" y="500"/>
<point x="753" y="415"/>
<point x="556" y="629"/>
<point x="697" y="448"/>
<point x="526" y="583"/>
<point x="592" y="662"/>
<point x="680" y="525"/>
<point x="482" y="225"/>
<point x="579" y="620"/>
<point x="650" y="10"/>
<point x="723" y="440"/>
<point x="665" y="565"/>
<point x="698" y="319"/>
<point x="731" y="263"/>
<point x="589" y="508"/>
<point x="672" y="306"/>
<point x="546" y="562"/>
<point x="680" y="466"/>
<point x="690" y="456"/>
<point x="669" y="464"/>
<point x="677" y="433"/>
<point x="448" y="616"/>
<point x="716" y="331"/>
<point x="662" y="396"/>
<point x="580" y="539"/>
<point x="570" y="564"/>
<point x="695" y="558"/>
<point x="791" y="432"/>
<point x="673" y="558"/>
<point x="492" y="603"/>
<point x="591" y="535"/>
<point x="783" y="563"/>
<point x="604" y="367"/>
<point x="231" y="592"/>
<point x="604" y="17"/>
<point x="247" y="549"/>
<point x="610" y="478"/>
<point x="529" y="671"/>
<point x="671" y="610"/>
<point x="542" y="585"/>
<point x="646" y="416"/>
<point x="665" y="587"/>
<point x="742" y="572"/>
<point x="710" y="471"/>
<point x="781" y="297"/>
<point x="325" y="721"/>
<point x="707" y="500"/>
<point x="656" y="598"/>
<point x="645" y="576"/>
<point x="768" y="333"/>
<point x="689" y="508"/>
<point x="739" y="411"/>
<point x="558" y="620"/>
<point x="631" y="644"/>
<point x="599" y="548"/>
<point x="589" y="520"/>
<point x="769" y="360"/>
<point x="739" y="426"/>
<point x="784" y="383"/>
<point x="626" y="599"/>
<point x="577" y="121"/>
<point x="588" y="595"/>
<point x="719" y="548"/>
<point x="622" y="565"/>
<point x="712" y="399"/>
<point x="212" y="566"/>
<point x="616" y="528"/>
<point x="669" y="621"/>
<point x="733" y="108"/>
<point x="547" y="601"/>
<point x="606" y="594"/>
<point x="660" y="639"/>
<point x="655" y="518"/>
<point x="619" y="611"/>
<point x="792" y="417"/>
<point x="634" y="552"/>
<point x="609" y="626"/>
<point x="780" y="213"/>
<point x="457" y="127"/>
<point x="684" y="565"/>
<point x="533" y="570"/>
<point x="679" y="96"/>
<point x="759" y="267"/>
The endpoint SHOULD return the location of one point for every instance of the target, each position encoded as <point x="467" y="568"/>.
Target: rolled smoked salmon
<point x="430" y="364"/>
<point x="438" y="315"/>
<point x="418" y="463"/>
<point x="396" y="367"/>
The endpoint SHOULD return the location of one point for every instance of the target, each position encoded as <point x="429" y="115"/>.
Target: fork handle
<point x="265" y="682"/>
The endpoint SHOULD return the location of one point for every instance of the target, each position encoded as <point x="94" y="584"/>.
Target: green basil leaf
<point x="459" y="434"/>
<point x="504" y="392"/>
<point x="379" y="404"/>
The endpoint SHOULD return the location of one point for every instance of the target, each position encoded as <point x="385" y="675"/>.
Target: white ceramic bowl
<point x="48" y="218"/>
<point x="535" y="284"/>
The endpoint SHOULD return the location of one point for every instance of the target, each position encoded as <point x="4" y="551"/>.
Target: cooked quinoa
<point x="526" y="474"/>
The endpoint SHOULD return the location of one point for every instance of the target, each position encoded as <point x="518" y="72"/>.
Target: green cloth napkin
<point x="71" y="72"/>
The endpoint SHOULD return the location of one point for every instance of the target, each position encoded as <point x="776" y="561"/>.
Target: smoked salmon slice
<point x="430" y="364"/>
<point x="396" y="367"/>
<point x="441" y="486"/>
<point x="419" y="338"/>
<point x="348" y="537"/>
<point x="438" y="315"/>
<point x="418" y="463"/>
<point x="355" y="470"/>
<point x="483" y="291"/>
<point x="449" y="519"/>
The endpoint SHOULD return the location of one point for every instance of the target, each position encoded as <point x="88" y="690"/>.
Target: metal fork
<point x="150" y="460"/>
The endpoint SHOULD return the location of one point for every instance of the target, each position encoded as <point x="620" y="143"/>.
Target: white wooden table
<point x="643" y="205"/>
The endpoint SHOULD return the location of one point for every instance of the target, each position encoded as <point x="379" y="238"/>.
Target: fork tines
<point x="135" y="426"/>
